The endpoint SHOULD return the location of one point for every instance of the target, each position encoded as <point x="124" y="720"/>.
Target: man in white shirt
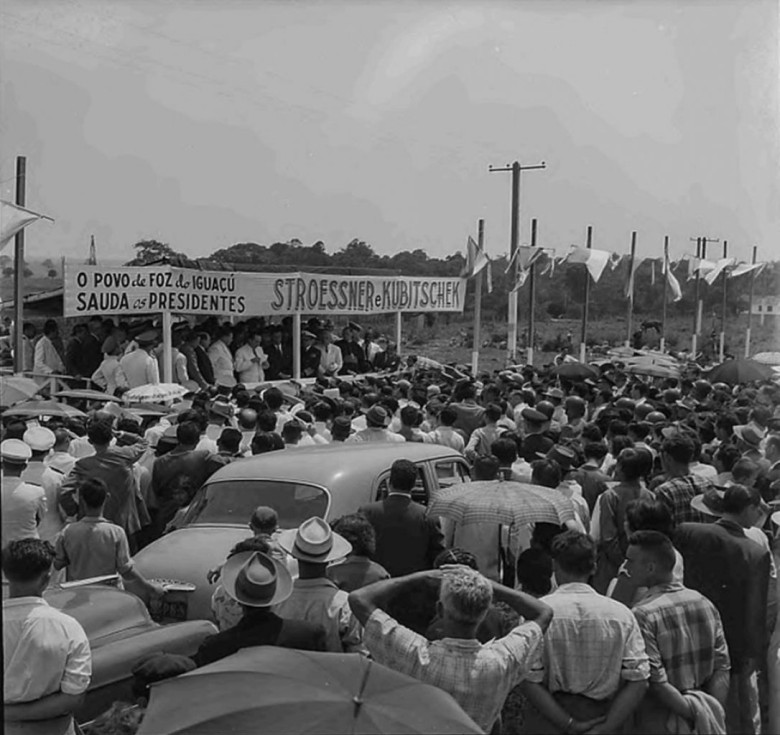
<point x="23" y="504"/>
<point x="332" y="360"/>
<point x="46" y="655"/>
<point x="444" y="433"/>
<point x="377" y="421"/>
<point x="221" y="359"/>
<point x="251" y="361"/>
<point x="139" y="366"/>
<point x="58" y="464"/>
<point x="47" y="360"/>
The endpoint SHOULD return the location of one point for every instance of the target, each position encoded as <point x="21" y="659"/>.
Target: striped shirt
<point x="683" y="636"/>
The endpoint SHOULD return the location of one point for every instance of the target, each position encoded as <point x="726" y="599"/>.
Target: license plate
<point x="167" y="611"/>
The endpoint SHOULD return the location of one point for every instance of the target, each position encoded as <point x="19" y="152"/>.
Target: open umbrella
<point x="501" y="501"/>
<point x="15" y="388"/>
<point x="153" y="392"/>
<point x="735" y="372"/>
<point x="85" y="394"/>
<point x="281" y="690"/>
<point x="657" y="367"/>
<point x="768" y="358"/>
<point x="44" y="408"/>
<point x="577" y="371"/>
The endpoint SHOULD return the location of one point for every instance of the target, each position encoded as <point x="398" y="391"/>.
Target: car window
<point x="419" y="491"/>
<point x="450" y="472"/>
<point x="235" y="501"/>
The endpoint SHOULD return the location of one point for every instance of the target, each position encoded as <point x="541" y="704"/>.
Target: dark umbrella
<point x="577" y="371"/>
<point x="34" y="409"/>
<point x="281" y="690"/>
<point x="735" y="372"/>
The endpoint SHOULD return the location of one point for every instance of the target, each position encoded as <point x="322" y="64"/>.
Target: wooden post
<point x="750" y="304"/>
<point x="532" y="300"/>
<point x="296" y="342"/>
<point x="722" y="344"/>
<point x="167" y="328"/>
<point x="630" y="306"/>
<point x="511" y="343"/>
<point x="399" y="322"/>
<point x="21" y="178"/>
<point x="695" y="335"/>
<point x="586" y="297"/>
<point x="667" y="265"/>
<point x="477" y="304"/>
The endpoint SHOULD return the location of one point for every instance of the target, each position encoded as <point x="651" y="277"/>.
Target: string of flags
<point x="596" y="262"/>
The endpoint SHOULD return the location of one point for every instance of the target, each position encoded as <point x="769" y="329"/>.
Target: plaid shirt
<point x="593" y="643"/>
<point x="683" y="636"/>
<point x="478" y="676"/>
<point x="676" y="494"/>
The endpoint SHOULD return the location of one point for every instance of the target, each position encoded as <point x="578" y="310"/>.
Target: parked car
<point x="325" y="481"/>
<point x="121" y="632"/>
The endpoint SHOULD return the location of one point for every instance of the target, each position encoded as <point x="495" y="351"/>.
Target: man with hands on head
<point x="478" y="676"/>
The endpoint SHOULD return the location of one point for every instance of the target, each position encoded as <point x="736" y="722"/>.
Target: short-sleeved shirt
<point x="22" y="504"/>
<point x="478" y="676"/>
<point x="45" y="651"/>
<point x="592" y="645"/>
<point x="683" y="636"/>
<point x="93" y="547"/>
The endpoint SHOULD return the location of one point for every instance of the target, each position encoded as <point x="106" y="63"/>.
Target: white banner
<point x="94" y="289"/>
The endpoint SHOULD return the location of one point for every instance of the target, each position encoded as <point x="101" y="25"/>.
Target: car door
<point x="419" y="491"/>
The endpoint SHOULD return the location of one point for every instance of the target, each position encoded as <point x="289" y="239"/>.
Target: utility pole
<point x="701" y="253"/>
<point x="516" y="168"/>
<point x="630" y="306"/>
<point x="478" y="304"/>
<point x="667" y="265"/>
<point x="92" y="260"/>
<point x="585" y="300"/>
<point x="750" y="303"/>
<point x="532" y="300"/>
<point x="722" y="345"/>
<point x="21" y="179"/>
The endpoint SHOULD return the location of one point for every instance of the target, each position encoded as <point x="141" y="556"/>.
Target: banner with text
<point x="94" y="289"/>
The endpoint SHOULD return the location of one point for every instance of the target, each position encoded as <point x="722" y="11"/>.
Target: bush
<point x="556" y="309"/>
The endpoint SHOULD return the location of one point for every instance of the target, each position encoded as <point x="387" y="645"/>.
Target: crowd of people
<point x="115" y="357"/>
<point x="653" y="609"/>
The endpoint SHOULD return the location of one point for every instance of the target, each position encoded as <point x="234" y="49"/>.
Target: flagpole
<point x="531" y="300"/>
<point x="667" y="266"/>
<point x="750" y="303"/>
<point x="586" y="297"/>
<point x="21" y="180"/>
<point x="722" y="346"/>
<point x="630" y="307"/>
<point x="478" y="303"/>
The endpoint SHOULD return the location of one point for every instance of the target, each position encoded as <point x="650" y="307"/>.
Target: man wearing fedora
<point x="378" y="418"/>
<point x="139" y="366"/>
<point x="258" y="583"/>
<point x="314" y="597"/>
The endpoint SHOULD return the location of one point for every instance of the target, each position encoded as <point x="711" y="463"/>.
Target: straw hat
<point x="315" y="542"/>
<point x="255" y="579"/>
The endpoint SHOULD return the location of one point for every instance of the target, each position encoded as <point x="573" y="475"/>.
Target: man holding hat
<point x="258" y="583"/>
<point x="377" y="420"/>
<point x="23" y="504"/>
<point x="315" y="598"/>
<point x="140" y="366"/>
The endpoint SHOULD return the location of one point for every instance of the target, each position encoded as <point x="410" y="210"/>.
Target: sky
<point x="205" y="123"/>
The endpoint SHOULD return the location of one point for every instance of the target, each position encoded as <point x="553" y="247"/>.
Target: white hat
<point x="15" y="451"/>
<point x="39" y="438"/>
<point x="315" y="542"/>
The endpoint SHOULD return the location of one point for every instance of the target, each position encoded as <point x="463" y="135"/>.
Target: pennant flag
<point x="706" y="266"/>
<point x="548" y="266"/>
<point x="521" y="279"/>
<point x="720" y="266"/>
<point x="632" y="268"/>
<point x="13" y="219"/>
<point x="595" y="260"/>
<point x="614" y="261"/>
<point x="674" y="284"/>
<point x="528" y="256"/>
<point x="476" y="259"/>
<point x="743" y="268"/>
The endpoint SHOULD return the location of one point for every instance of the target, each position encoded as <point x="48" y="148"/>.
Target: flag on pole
<point x="511" y="262"/>
<point x="632" y="268"/>
<point x="521" y="279"/>
<point x="743" y="268"/>
<point x="595" y="260"/>
<point x="674" y="284"/>
<point x="720" y="266"/>
<point x="476" y="259"/>
<point x="13" y="219"/>
<point x="528" y="256"/>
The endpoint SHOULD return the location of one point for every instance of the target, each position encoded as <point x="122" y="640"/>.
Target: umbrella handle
<point x="358" y="698"/>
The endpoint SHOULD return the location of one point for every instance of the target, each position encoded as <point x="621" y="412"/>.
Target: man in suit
<point x="310" y="355"/>
<point x="732" y="570"/>
<point x="407" y="539"/>
<point x="258" y="582"/>
<point x="279" y="356"/>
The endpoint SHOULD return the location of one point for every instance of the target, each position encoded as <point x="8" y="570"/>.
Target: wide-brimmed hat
<point x="39" y="438"/>
<point x="315" y="542"/>
<point x="255" y="579"/>
<point x="748" y="434"/>
<point x="556" y="393"/>
<point x="710" y="502"/>
<point x="221" y="408"/>
<point x="378" y="416"/>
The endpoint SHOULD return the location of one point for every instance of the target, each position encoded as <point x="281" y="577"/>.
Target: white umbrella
<point x="768" y="358"/>
<point x="155" y="392"/>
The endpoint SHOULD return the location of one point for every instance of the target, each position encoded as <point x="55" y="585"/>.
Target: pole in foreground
<point x="478" y="304"/>
<point x="750" y="303"/>
<point x="21" y="177"/>
<point x="695" y="332"/>
<point x="532" y="300"/>
<point x="585" y="300"/>
<point x="666" y="285"/>
<point x="516" y="168"/>
<point x="722" y="342"/>
<point x="630" y="306"/>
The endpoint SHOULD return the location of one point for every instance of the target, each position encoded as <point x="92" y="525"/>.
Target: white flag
<point x="476" y="259"/>
<point x="14" y="218"/>
<point x="674" y="284"/>
<point x="720" y="266"/>
<point x="743" y="268"/>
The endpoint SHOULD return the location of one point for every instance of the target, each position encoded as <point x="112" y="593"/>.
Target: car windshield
<point x="234" y="502"/>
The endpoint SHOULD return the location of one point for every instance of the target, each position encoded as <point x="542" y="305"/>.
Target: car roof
<point x="321" y="465"/>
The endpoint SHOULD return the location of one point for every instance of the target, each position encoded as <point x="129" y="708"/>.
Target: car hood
<point x="187" y="555"/>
